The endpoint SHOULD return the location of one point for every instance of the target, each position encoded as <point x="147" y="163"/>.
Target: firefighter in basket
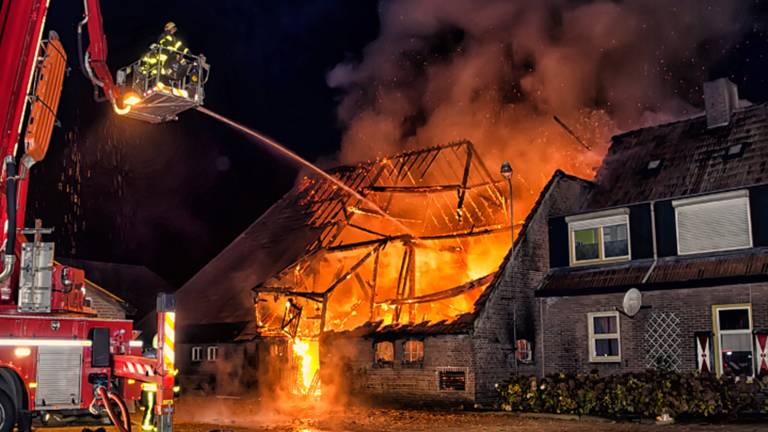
<point x="166" y="56"/>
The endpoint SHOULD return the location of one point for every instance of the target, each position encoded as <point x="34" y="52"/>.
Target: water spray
<point x="264" y="139"/>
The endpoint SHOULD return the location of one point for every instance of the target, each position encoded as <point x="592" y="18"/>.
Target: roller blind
<point x="713" y="225"/>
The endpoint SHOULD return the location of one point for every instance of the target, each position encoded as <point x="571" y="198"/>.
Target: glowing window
<point x="384" y="353"/>
<point x="413" y="352"/>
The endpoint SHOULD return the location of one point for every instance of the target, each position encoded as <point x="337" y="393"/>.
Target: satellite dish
<point x="633" y="300"/>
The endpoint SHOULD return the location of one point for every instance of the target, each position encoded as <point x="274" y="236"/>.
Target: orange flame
<point x="308" y="353"/>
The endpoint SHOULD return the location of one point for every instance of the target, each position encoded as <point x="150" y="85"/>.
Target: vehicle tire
<point x="8" y="413"/>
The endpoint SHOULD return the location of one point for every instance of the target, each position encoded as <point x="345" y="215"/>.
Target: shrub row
<point x="647" y="394"/>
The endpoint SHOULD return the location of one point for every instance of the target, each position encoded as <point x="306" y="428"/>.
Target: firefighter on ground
<point x="167" y="56"/>
<point x="149" y="393"/>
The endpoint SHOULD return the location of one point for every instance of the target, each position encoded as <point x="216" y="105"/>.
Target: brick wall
<point x="351" y="360"/>
<point x="565" y="330"/>
<point x="512" y="298"/>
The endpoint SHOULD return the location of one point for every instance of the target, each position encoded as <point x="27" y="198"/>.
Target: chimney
<point x="721" y="98"/>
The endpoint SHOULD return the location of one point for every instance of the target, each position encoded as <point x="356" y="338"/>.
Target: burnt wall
<point x="348" y="369"/>
<point x="510" y="307"/>
<point x="668" y="313"/>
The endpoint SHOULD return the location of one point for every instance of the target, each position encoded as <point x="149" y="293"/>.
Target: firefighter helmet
<point x="170" y="27"/>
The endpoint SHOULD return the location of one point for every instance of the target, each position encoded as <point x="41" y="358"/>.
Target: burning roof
<point x="320" y="245"/>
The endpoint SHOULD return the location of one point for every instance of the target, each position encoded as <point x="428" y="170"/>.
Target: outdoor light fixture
<point x="506" y="172"/>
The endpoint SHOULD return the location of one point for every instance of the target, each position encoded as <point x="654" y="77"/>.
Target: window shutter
<point x="640" y="231"/>
<point x="558" y="242"/>
<point x="713" y="225"/>
<point x="758" y="204"/>
<point x="761" y="354"/>
<point x="666" y="236"/>
<point x="704" y="352"/>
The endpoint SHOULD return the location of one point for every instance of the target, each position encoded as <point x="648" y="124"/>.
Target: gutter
<point x="653" y="239"/>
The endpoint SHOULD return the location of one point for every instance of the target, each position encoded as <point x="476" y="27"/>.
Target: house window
<point x="384" y="353"/>
<point x="213" y="353"/>
<point x="413" y="352"/>
<point x="733" y="339"/>
<point x="604" y="337"/>
<point x="523" y="352"/>
<point x="599" y="237"/>
<point x="713" y="223"/>
<point x="197" y="354"/>
<point x="452" y="380"/>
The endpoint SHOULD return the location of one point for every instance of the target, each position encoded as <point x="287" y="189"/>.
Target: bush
<point x="632" y="395"/>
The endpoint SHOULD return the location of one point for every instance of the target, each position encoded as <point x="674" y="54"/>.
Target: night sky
<point x="172" y="196"/>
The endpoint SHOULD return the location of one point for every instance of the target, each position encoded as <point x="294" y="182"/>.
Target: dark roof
<point x="211" y="333"/>
<point x="135" y="284"/>
<point x="744" y="266"/>
<point x="692" y="159"/>
<point x="463" y="324"/>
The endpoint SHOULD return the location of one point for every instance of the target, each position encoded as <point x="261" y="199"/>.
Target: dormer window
<point x="713" y="223"/>
<point x="734" y="151"/>
<point x="653" y="165"/>
<point x="599" y="237"/>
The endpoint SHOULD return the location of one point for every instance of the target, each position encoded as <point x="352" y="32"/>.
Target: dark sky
<point x="172" y="196"/>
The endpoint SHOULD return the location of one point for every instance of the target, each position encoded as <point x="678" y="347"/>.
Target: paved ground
<point x="230" y="416"/>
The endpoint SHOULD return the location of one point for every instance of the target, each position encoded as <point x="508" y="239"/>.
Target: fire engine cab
<point x="56" y="355"/>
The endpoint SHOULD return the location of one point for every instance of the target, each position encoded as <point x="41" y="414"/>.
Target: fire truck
<point x="56" y="355"/>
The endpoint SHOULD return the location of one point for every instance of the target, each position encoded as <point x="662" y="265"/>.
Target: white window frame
<point x="593" y="357"/>
<point x="597" y="220"/>
<point x="725" y="196"/>
<point x="196" y="354"/>
<point x="212" y="353"/>
<point x="717" y="332"/>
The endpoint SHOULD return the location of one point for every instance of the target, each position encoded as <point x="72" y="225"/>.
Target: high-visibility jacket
<point x="150" y="60"/>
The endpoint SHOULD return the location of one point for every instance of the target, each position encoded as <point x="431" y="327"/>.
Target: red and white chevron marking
<point x="138" y="368"/>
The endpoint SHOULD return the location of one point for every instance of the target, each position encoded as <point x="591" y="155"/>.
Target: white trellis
<point x="662" y="341"/>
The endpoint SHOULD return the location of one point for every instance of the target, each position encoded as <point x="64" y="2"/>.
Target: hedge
<point x="647" y="394"/>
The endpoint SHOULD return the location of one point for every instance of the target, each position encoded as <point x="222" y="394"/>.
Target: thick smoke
<point x="496" y="71"/>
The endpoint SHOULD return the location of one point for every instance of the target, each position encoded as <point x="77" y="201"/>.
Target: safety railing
<point x="168" y="71"/>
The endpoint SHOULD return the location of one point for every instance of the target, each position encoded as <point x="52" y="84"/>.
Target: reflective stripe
<point x="169" y="340"/>
<point x="44" y="342"/>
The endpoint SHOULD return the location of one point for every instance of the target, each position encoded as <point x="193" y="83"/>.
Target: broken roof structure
<point x="319" y="245"/>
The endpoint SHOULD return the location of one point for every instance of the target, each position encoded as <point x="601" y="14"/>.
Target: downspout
<point x="653" y="239"/>
<point x="10" y="239"/>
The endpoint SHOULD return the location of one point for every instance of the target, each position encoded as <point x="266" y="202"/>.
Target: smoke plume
<point x="497" y="71"/>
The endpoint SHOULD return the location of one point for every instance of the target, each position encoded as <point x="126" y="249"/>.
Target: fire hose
<point x="123" y="422"/>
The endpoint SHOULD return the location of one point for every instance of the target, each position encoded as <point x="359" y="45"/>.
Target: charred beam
<point x="464" y="179"/>
<point x="351" y="270"/>
<point x="430" y="189"/>
<point x="571" y="132"/>
<point x="285" y="291"/>
<point x="442" y="295"/>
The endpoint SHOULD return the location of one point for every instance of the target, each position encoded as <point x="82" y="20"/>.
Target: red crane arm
<point x="96" y="55"/>
<point x="21" y="27"/>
